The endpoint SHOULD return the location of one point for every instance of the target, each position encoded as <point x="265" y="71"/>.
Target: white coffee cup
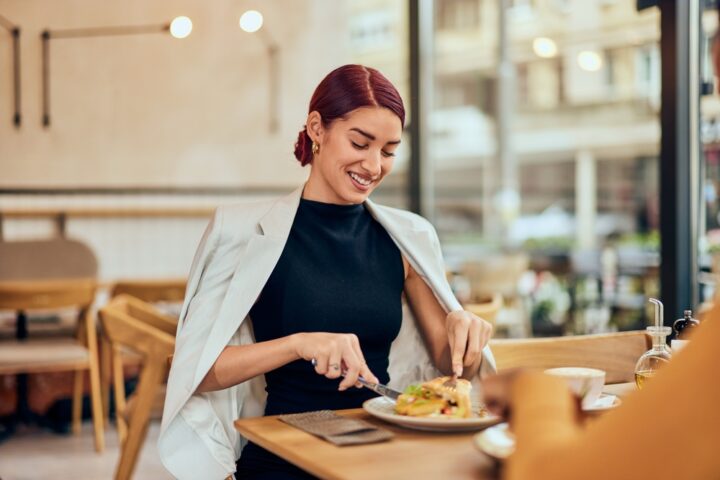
<point x="586" y="383"/>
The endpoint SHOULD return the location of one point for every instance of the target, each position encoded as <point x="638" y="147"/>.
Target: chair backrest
<point x="616" y="353"/>
<point x="48" y="294"/>
<point x="139" y="326"/>
<point x="46" y="259"/>
<point x="147" y="313"/>
<point x="486" y="310"/>
<point x="495" y="274"/>
<point x="164" y="290"/>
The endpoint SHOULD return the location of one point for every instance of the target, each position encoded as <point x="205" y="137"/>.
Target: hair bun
<point x="303" y="148"/>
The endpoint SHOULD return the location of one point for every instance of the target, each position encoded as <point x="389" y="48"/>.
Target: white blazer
<point x="235" y="258"/>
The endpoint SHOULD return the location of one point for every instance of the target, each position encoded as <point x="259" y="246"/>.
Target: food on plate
<point x="435" y="399"/>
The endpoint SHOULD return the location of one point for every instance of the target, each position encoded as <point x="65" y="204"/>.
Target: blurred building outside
<point x="544" y="144"/>
<point x="583" y="129"/>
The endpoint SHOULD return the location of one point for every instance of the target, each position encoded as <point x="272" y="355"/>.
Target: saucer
<point x="604" y="402"/>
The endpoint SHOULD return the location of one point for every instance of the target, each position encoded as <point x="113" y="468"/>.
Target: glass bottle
<point x="654" y="358"/>
<point x="683" y="327"/>
<point x="660" y="354"/>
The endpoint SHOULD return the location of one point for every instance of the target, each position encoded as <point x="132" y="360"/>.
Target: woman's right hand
<point x="333" y="353"/>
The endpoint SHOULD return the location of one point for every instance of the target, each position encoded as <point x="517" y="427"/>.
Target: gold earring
<point x="315" y="148"/>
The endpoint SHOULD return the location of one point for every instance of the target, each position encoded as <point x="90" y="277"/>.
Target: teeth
<point x="360" y="180"/>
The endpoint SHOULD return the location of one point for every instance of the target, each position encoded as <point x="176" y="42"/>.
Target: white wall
<point x="152" y="110"/>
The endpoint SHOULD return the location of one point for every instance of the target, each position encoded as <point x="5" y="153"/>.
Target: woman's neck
<point x="321" y="192"/>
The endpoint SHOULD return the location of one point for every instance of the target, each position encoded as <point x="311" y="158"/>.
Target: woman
<point x="290" y="301"/>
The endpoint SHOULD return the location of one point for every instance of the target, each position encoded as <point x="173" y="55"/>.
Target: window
<point x="373" y="30"/>
<point x="565" y="171"/>
<point x="458" y="14"/>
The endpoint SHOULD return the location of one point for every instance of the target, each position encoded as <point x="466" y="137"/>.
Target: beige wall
<point x="152" y="110"/>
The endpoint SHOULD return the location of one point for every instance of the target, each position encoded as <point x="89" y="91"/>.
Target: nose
<point x="372" y="163"/>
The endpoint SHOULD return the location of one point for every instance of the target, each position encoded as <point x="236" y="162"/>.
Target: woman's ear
<point x="315" y="127"/>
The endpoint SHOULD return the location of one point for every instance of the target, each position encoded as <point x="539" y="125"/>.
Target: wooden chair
<point x="78" y="354"/>
<point x="46" y="259"/>
<point x="495" y="274"/>
<point x="170" y="290"/>
<point x="616" y="353"/>
<point x="132" y="324"/>
<point x="499" y="274"/>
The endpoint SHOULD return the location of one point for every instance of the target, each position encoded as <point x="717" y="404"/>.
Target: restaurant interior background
<point x="533" y="142"/>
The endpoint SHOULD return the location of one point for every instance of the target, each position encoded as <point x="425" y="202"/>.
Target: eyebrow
<point x="372" y="137"/>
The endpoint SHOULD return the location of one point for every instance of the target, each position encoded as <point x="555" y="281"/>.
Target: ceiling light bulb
<point x="180" y="27"/>
<point x="251" y="21"/>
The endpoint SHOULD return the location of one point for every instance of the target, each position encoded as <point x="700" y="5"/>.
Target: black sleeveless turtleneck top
<point x="339" y="272"/>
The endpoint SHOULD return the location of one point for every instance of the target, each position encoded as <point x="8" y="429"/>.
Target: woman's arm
<point x="238" y="363"/>
<point x="333" y="353"/>
<point x="456" y="339"/>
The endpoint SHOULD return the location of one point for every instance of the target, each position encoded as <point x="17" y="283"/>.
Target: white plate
<point x="603" y="403"/>
<point x="496" y="441"/>
<point x="384" y="409"/>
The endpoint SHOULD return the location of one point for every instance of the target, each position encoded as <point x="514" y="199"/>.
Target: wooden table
<point x="410" y="454"/>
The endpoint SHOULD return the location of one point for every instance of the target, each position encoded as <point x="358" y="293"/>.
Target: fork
<point x="451" y="383"/>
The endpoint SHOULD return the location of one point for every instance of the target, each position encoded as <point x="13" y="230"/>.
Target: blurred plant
<point x="549" y="243"/>
<point x="550" y="301"/>
<point x="649" y="240"/>
<point x="711" y="242"/>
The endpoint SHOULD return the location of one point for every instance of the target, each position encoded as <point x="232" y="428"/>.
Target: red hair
<point x="343" y="90"/>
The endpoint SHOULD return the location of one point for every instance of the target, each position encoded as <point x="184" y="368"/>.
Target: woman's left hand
<point x="467" y="334"/>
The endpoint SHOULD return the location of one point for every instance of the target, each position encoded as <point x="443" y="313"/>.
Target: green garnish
<point x="414" y="390"/>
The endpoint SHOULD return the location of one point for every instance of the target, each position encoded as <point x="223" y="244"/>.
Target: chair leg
<point x="105" y="374"/>
<point x="119" y="387"/>
<point x="77" y="401"/>
<point x="96" y="404"/>
<point x="150" y="377"/>
<point x="95" y="388"/>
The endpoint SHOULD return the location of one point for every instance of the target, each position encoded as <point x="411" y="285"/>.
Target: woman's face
<point x="355" y="154"/>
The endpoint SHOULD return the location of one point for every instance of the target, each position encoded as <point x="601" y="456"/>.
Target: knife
<point x="383" y="390"/>
<point x="378" y="388"/>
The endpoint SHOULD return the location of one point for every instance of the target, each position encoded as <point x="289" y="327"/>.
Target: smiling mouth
<point x="362" y="181"/>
